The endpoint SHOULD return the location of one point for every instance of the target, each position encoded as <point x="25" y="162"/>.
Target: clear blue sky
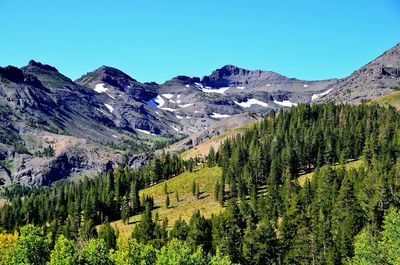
<point x="159" y="39"/>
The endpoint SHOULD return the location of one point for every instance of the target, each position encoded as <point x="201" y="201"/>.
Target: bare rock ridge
<point x="52" y="127"/>
<point x="375" y="79"/>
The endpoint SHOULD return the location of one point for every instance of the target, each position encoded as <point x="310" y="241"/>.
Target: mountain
<point x="53" y="127"/>
<point x="42" y="109"/>
<point x="377" y="78"/>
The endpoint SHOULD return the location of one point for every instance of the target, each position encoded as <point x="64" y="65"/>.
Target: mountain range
<point x="53" y="127"/>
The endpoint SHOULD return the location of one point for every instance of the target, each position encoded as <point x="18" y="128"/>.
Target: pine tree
<point x="165" y="188"/>
<point x="180" y="230"/>
<point x="197" y="191"/>
<point x="194" y="188"/>
<point x="167" y="201"/>
<point x="144" y="231"/>
<point x="108" y="234"/>
<point x="134" y="198"/>
<point x="124" y="210"/>
<point x="217" y="191"/>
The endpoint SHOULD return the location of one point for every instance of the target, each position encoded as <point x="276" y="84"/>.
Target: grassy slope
<point x="353" y="164"/>
<point x="205" y="177"/>
<point x="203" y="148"/>
<point x="389" y="99"/>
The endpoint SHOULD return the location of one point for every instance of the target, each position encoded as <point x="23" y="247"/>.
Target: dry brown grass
<point x="187" y="205"/>
<point x="202" y="149"/>
<point x="392" y="99"/>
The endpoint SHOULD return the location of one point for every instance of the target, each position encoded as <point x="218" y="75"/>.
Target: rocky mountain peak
<point x="183" y="79"/>
<point x="230" y="75"/>
<point x="113" y="72"/>
<point x="228" y="70"/>
<point x="107" y="75"/>
<point x="46" y="67"/>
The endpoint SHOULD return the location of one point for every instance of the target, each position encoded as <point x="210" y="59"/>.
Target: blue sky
<point x="154" y="40"/>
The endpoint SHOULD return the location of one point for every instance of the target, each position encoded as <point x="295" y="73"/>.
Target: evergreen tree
<point x="167" y="201"/>
<point x="144" y="230"/>
<point x="194" y="185"/>
<point x="108" y="235"/>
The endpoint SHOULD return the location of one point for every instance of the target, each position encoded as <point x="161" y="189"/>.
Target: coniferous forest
<point x="336" y="215"/>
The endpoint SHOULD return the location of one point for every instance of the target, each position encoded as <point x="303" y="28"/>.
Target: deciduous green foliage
<point x="33" y="247"/>
<point x="95" y="252"/>
<point x="381" y="248"/>
<point x="7" y="243"/>
<point x="64" y="252"/>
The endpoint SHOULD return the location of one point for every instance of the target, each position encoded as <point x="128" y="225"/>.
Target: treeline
<point x="67" y="207"/>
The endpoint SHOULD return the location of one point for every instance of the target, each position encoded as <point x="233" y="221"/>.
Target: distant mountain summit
<point x="377" y="78"/>
<point x="231" y="75"/>
<point x="107" y="118"/>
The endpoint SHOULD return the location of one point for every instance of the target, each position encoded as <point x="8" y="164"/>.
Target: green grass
<point x="392" y="99"/>
<point x="7" y="164"/>
<point x="187" y="205"/>
<point x="352" y="164"/>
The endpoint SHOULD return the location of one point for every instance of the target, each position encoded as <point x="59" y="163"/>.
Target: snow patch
<point x="110" y="96"/>
<point x="187" y="85"/>
<point x="178" y="97"/>
<point x="100" y="88"/>
<point x="114" y="136"/>
<point x="176" y="129"/>
<point x="268" y="85"/>
<point x="305" y="85"/>
<point x="249" y="102"/>
<point x="240" y="87"/>
<point x="285" y="103"/>
<point x="315" y="96"/>
<point x="143" y="131"/>
<point x="168" y="96"/>
<point x="221" y="90"/>
<point x="199" y="85"/>
<point x="185" y="105"/>
<point x="179" y="117"/>
<point x="109" y="107"/>
<point x="169" y="109"/>
<point x="207" y="89"/>
<point x="219" y="116"/>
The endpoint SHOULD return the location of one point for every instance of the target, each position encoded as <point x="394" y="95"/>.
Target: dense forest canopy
<point x="333" y="218"/>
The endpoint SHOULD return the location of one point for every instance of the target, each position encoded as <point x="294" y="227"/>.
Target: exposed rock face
<point x="93" y="123"/>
